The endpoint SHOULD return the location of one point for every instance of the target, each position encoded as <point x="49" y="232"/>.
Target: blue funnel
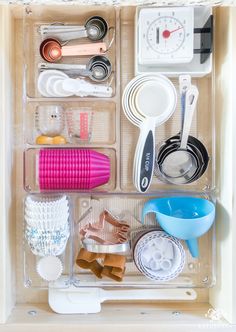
<point x="186" y="218"/>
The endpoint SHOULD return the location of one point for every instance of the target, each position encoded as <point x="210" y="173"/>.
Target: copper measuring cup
<point x="51" y="50"/>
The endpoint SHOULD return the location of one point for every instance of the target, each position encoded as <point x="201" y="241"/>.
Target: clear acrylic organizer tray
<point x="48" y="15"/>
<point x="116" y="137"/>
<point x="197" y="273"/>
<point x="102" y="128"/>
<point x="31" y="275"/>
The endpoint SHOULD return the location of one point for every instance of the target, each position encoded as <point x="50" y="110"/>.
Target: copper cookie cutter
<point x="97" y="231"/>
<point x="112" y="266"/>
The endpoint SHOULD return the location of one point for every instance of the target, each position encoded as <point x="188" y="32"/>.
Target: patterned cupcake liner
<point x="46" y="242"/>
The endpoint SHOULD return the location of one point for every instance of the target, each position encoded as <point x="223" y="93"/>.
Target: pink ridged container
<point x="72" y="169"/>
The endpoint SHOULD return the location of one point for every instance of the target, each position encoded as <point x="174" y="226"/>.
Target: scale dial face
<point x="165" y="35"/>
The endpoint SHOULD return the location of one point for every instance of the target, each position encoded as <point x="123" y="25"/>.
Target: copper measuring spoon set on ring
<point x="52" y="50"/>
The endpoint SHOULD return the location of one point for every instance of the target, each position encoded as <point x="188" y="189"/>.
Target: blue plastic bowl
<point x="186" y="218"/>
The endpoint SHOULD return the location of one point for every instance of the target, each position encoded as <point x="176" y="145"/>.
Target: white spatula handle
<point x="148" y="294"/>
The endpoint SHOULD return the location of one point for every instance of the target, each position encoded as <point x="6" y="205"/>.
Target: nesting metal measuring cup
<point x="183" y="159"/>
<point x="98" y="68"/>
<point x="195" y="147"/>
<point x="94" y="29"/>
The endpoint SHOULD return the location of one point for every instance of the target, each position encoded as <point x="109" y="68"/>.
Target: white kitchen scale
<point x="170" y="40"/>
<point x="165" y="35"/>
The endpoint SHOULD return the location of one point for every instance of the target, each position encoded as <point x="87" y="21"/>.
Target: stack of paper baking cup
<point x="47" y="224"/>
<point x="72" y="169"/>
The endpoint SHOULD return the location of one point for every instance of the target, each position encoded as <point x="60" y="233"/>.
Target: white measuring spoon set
<point x="55" y="83"/>
<point x="148" y="101"/>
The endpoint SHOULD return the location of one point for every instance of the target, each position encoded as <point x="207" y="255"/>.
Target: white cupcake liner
<point x="46" y="212"/>
<point x="43" y="250"/>
<point x="32" y="213"/>
<point x="47" y="224"/>
<point x="52" y="199"/>
<point x="46" y="209"/>
<point x="46" y="203"/>
<point x="49" y="268"/>
<point x="44" y="243"/>
<point x="36" y="232"/>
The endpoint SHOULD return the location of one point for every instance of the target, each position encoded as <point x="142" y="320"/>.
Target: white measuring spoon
<point x="50" y="85"/>
<point x="59" y="91"/>
<point x="80" y="87"/>
<point x="154" y="103"/>
<point x="43" y="79"/>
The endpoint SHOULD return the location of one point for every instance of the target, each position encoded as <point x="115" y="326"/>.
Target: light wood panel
<point x="221" y="296"/>
<point x="116" y="317"/>
<point x="7" y="171"/>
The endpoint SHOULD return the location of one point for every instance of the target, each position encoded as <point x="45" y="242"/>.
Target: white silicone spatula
<point x="85" y="300"/>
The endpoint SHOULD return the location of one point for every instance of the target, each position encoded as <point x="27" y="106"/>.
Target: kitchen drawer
<point x="24" y="309"/>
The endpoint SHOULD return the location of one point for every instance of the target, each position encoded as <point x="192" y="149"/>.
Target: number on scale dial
<point x="165" y="35"/>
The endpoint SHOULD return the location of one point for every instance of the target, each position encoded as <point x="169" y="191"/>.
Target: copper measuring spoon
<point x="51" y="50"/>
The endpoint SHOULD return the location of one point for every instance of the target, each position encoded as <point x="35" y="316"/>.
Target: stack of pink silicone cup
<point x="72" y="169"/>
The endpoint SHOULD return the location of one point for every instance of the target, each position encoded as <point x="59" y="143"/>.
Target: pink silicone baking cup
<point x="72" y="169"/>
